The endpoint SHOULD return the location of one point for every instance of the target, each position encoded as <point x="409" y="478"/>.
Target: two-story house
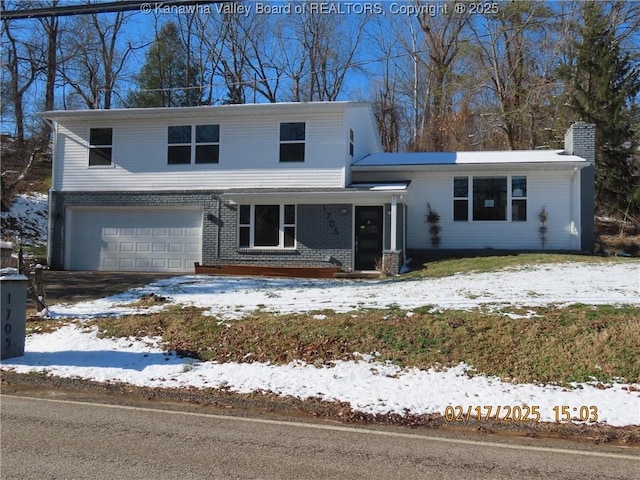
<point x="293" y="185"/>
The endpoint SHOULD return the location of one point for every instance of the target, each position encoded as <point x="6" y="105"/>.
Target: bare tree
<point x="511" y="53"/>
<point x="321" y="50"/>
<point x="442" y="34"/>
<point x="22" y="64"/>
<point x="94" y="59"/>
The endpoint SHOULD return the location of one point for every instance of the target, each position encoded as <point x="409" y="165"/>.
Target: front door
<point x="368" y="237"/>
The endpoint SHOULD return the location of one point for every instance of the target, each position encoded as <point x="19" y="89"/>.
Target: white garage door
<point x="133" y="239"/>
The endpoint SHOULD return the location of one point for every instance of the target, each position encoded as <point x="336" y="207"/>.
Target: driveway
<point x="78" y="286"/>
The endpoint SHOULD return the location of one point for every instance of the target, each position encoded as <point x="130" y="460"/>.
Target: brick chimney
<point x="580" y="140"/>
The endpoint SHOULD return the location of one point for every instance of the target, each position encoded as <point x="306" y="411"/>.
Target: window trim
<point x="510" y="198"/>
<point x="465" y="198"/>
<point x="193" y="144"/>
<point x="524" y="197"/>
<point x="97" y="146"/>
<point x="302" y="142"/>
<point x="281" y="228"/>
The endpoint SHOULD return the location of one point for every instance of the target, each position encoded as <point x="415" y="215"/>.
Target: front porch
<point x="360" y="228"/>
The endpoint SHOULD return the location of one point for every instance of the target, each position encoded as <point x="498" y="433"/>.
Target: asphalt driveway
<point x="78" y="286"/>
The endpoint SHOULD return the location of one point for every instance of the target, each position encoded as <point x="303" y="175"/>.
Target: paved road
<point x="59" y="439"/>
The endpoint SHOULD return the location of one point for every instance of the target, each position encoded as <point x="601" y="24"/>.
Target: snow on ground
<point x="233" y="297"/>
<point x="367" y="385"/>
<point x="27" y="218"/>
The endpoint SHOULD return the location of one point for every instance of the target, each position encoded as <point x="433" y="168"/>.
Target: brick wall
<point x="323" y="238"/>
<point x="323" y="232"/>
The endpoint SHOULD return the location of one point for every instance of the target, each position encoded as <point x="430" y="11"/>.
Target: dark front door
<point x="368" y="237"/>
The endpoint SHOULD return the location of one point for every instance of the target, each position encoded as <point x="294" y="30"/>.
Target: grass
<point x="444" y="268"/>
<point x="573" y="344"/>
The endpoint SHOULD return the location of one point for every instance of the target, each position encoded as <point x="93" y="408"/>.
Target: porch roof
<point x="354" y="192"/>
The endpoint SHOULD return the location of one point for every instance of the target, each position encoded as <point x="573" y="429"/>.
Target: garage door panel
<point x="134" y="239"/>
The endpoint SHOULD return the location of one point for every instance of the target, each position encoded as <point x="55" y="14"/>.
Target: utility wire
<point x="107" y="7"/>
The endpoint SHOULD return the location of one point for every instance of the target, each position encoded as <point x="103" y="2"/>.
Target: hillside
<point x="26" y="220"/>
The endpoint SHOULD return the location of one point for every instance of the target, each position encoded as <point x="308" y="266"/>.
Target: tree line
<point x="511" y="77"/>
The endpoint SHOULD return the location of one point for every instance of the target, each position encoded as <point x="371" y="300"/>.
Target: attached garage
<point x="133" y="239"/>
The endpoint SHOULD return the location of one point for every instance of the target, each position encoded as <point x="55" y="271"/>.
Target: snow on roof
<point x="466" y="158"/>
<point x="203" y="110"/>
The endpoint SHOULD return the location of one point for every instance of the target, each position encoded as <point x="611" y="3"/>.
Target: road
<point x="62" y="439"/>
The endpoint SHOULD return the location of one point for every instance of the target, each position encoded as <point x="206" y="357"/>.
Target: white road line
<point x="337" y="428"/>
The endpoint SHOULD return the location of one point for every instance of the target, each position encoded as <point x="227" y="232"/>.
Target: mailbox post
<point x="13" y="290"/>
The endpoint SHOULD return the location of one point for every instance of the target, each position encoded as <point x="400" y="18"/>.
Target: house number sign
<point x="330" y="221"/>
<point x="7" y="325"/>
<point x="13" y="318"/>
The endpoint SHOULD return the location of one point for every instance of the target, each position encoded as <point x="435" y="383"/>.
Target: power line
<point x="108" y="7"/>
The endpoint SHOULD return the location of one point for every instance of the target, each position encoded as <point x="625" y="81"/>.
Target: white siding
<point x="249" y="151"/>
<point x="366" y="137"/>
<point x="556" y="190"/>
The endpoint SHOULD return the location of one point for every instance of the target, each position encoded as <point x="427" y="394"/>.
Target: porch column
<point x="394" y="223"/>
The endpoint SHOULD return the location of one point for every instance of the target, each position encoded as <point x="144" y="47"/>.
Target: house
<point x="293" y="185"/>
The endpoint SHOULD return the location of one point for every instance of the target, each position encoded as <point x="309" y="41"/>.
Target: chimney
<point x="580" y="140"/>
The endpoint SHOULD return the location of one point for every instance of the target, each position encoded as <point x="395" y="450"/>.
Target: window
<point x="292" y="137"/>
<point x="461" y="199"/>
<point x="179" y="151"/>
<point x="187" y="144"/>
<point x="489" y="198"/>
<point x="351" y="148"/>
<point x="100" y="147"/>
<point x="207" y="143"/>
<point x="267" y="226"/>
<point x="518" y="199"/>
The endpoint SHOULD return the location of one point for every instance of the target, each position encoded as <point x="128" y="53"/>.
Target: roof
<point x="205" y="110"/>
<point x="320" y="195"/>
<point x="354" y="188"/>
<point x="466" y="158"/>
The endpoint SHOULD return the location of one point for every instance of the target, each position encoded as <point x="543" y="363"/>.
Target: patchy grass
<point x="44" y="326"/>
<point x="576" y="343"/>
<point x="444" y="268"/>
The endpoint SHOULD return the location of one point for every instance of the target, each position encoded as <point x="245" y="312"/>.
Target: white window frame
<point x="470" y="199"/>
<point x="302" y="142"/>
<point x="281" y="228"/>
<point x="96" y="146"/>
<point x="193" y="144"/>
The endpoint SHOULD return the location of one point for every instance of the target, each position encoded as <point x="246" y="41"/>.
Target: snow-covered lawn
<point x="227" y="297"/>
<point x="27" y="218"/>
<point x="367" y="385"/>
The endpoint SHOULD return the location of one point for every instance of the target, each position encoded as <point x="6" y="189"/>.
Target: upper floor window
<point x="292" y="142"/>
<point x="100" y="146"/>
<point x="193" y="144"/>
